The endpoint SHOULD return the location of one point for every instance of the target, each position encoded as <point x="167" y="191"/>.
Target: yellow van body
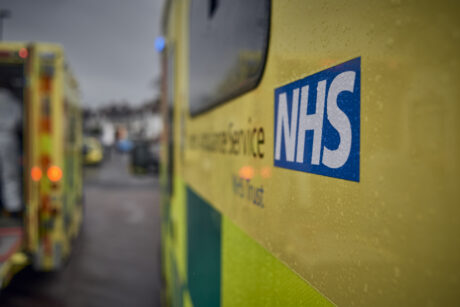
<point x="93" y="152"/>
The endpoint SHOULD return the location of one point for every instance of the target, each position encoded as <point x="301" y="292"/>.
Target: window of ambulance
<point x="228" y="42"/>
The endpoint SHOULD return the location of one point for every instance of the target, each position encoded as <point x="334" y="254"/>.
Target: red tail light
<point x="23" y="53"/>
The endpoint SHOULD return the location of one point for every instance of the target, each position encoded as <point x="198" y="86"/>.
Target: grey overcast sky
<point x="109" y="43"/>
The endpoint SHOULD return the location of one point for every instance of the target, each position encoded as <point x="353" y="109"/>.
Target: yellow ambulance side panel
<point x="392" y="238"/>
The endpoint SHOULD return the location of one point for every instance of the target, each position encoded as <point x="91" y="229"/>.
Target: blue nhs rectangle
<point x="317" y="122"/>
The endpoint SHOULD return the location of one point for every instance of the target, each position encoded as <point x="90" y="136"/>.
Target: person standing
<point x="108" y="138"/>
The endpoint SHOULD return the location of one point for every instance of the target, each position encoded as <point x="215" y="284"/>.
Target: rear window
<point x="228" y="46"/>
<point x="12" y="79"/>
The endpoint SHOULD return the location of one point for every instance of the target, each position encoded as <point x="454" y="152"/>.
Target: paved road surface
<point x="116" y="259"/>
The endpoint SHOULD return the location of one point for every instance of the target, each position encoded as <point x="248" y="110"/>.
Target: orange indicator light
<point x="54" y="173"/>
<point x="36" y="173"/>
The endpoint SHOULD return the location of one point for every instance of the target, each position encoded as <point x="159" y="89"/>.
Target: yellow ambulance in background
<point x="49" y="159"/>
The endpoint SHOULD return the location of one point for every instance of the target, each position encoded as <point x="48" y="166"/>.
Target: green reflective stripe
<point x="174" y="238"/>
<point x="203" y="251"/>
<point x="251" y="276"/>
<point x="45" y="144"/>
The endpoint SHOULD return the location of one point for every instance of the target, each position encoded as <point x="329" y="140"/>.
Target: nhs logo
<point x="317" y="122"/>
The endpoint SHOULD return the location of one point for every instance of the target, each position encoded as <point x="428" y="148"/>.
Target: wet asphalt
<point x="116" y="259"/>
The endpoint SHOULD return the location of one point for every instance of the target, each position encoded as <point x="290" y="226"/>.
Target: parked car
<point x="93" y="153"/>
<point x="144" y="157"/>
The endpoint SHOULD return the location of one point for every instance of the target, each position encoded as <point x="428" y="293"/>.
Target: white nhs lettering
<point x="291" y="128"/>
